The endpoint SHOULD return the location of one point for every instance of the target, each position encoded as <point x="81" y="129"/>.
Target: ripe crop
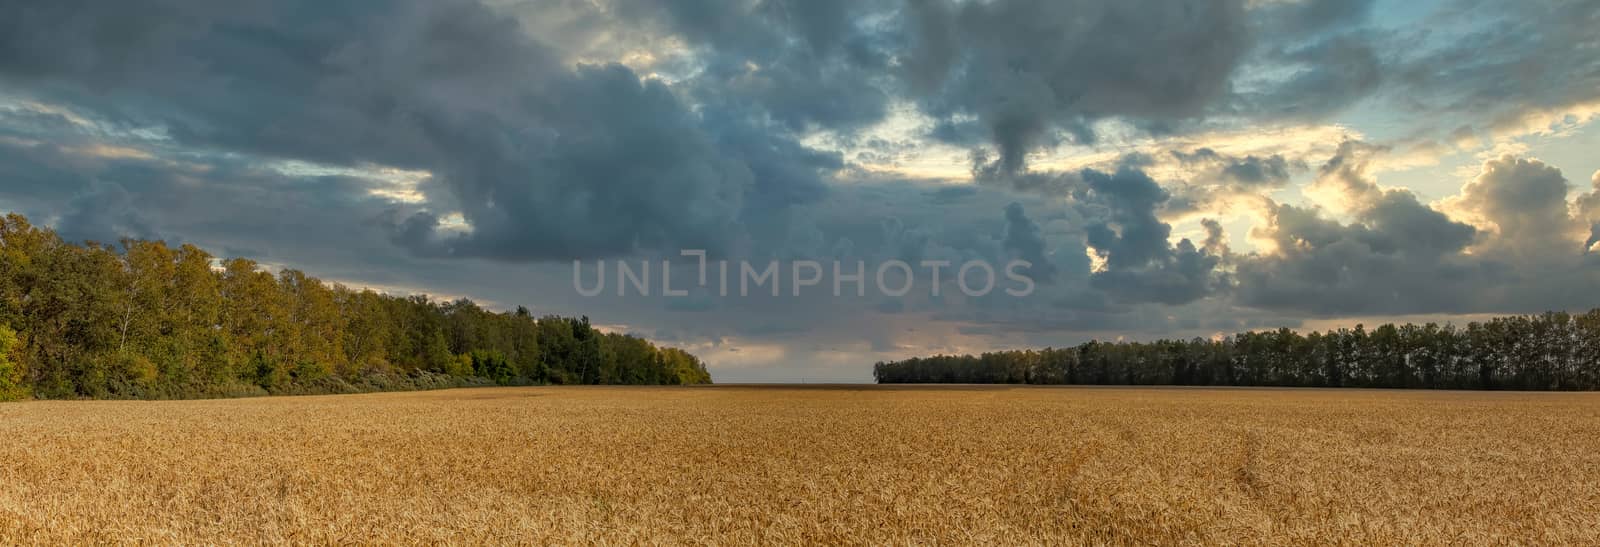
<point x="860" y="465"/>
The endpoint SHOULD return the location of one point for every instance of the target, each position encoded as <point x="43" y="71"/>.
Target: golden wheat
<point x="751" y="465"/>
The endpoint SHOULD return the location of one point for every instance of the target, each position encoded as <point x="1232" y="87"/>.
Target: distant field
<point x="862" y="464"/>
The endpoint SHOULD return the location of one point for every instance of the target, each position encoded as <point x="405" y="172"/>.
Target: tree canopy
<point x="1551" y="351"/>
<point x="145" y="320"/>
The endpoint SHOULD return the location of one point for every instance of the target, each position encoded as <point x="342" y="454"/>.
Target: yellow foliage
<point x="11" y="384"/>
<point x="138" y="368"/>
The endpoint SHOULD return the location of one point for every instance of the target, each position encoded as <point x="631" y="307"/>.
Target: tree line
<point x="145" y="320"/>
<point x="1550" y="351"/>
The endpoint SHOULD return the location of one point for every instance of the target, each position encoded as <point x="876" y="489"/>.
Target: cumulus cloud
<point x="1589" y="212"/>
<point x="1324" y="267"/>
<point x="1523" y="203"/>
<point x="1344" y="183"/>
<point x="1508" y="242"/>
<point x="1213" y="179"/>
<point x="1118" y="213"/>
<point x="1140" y="262"/>
<point x="1399" y="254"/>
<point x="1249" y="171"/>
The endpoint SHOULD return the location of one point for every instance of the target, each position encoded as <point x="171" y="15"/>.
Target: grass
<point x="733" y="464"/>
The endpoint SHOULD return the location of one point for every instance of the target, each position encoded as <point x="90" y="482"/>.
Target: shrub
<point x="11" y="387"/>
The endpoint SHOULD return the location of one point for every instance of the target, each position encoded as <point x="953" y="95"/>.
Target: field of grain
<point x="749" y="465"/>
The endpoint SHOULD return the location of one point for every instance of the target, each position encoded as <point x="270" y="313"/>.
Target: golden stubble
<point x="761" y="465"/>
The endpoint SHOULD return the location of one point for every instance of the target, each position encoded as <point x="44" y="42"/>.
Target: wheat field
<point x="853" y="465"/>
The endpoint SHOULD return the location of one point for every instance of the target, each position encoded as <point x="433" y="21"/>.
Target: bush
<point x="11" y="387"/>
<point x="492" y="365"/>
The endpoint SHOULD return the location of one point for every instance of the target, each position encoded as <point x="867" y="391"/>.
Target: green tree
<point x="148" y="320"/>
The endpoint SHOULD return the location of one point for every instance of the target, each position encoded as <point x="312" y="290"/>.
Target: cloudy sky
<point x="1171" y="168"/>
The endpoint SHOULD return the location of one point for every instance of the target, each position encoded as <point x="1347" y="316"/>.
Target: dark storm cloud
<point x="1311" y="18"/>
<point x="325" y="82"/>
<point x="513" y="135"/>
<point x="224" y="204"/>
<point x="1023" y="74"/>
<point x="104" y="213"/>
<point x="1125" y="230"/>
<point x="1333" y="74"/>
<point x="1022" y="237"/>
<point x="616" y="164"/>
<point x="1026" y="68"/>
<point x="1331" y="57"/>
<point x="802" y="94"/>
<point x="1417" y="229"/>
<point x="1183" y="275"/>
<point x="1490" y="64"/>
<point x="804" y="63"/>
<point x="783" y="172"/>
<point x="29" y="170"/>
<point x="543" y="161"/>
<point x="1141" y="265"/>
<point x="1519" y="58"/>
<point x="1119" y="215"/>
<point x="1019" y="74"/>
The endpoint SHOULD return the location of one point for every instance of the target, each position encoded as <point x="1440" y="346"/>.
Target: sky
<point x="1165" y="169"/>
